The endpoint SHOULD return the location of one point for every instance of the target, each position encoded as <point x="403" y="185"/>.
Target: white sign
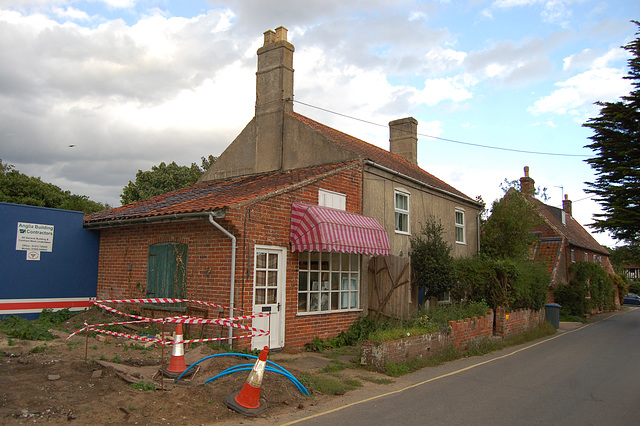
<point x="33" y="255"/>
<point x="34" y="237"/>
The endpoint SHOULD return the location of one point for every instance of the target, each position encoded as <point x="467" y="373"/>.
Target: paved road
<point x="589" y="375"/>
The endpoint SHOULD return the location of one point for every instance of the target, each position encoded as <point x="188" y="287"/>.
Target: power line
<point x="446" y="139"/>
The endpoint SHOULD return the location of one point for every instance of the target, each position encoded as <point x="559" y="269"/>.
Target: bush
<point x="513" y="284"/>
<point x="590" y="289"/>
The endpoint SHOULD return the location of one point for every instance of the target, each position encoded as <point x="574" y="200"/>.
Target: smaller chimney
<point x="403" y="139"/>
<point x="527" y="185"/>
<point x="566" y="205"/>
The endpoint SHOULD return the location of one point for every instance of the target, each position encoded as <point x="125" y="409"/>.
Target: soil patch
<point x="51" y="381"/>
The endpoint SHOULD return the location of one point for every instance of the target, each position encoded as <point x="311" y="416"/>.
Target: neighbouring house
<point x="288" y="220"/>
<point x="562" y="240"/>
<point x="631" y="271"/>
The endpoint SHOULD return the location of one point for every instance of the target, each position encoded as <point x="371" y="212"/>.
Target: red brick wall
<point x="463" y="332"/>
<point x="122" y="269"/>
<point x="516" y="322"/>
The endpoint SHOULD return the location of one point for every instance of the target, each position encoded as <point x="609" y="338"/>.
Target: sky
<point x="93" y="91"/>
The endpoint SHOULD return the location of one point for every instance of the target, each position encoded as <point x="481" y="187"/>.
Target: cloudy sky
<point x="132" y="83"/>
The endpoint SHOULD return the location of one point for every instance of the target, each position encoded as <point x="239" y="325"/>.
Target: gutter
<point x="421" y="183"/>
<point x="218" y="213"/>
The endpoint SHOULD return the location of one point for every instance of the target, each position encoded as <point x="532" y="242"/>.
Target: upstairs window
<point x="460" y="231"/>
<point x="402" y="212"/>
<point x="332" y="199"/>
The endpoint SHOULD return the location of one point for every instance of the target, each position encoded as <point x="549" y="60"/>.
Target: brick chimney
<point x="403" y="139"/>
<point x="274" y="93"/>
<point x="527" y="184"/>
<point x="566" y="205"/>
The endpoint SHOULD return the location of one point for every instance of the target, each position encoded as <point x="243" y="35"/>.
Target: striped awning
<point x="315" y="228"/>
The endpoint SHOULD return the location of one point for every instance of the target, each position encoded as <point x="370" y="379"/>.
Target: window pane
<point x="261" y="260"/>
<point x="324" y="284"/>
<point x="459" y="234"/>
<point x="345" y="282"/>
<point x="303" y="260"/>
<point x="354" y="300"/>
<point x="261" y="278"/>
<point x="302" y="302"/>
<point x="335" y="261"/>
<point x="335" y="281"/>
<point x="459" y="218"/>
<point x="334" y="300"/>
<point x="402" y="201"/>
<point x="303" y="284"/>
<point x="272" y="294"/>
<point x="314" y="258"/>
<point x="354" y="262"/>
<point x="273" y="261"/>
<point x="260" y="293"/>
<point x="354" y="284"/>
<point x="325" y="302"/>
<point x="344" y="300"/>
<point x="273" y="279"/>
<point x="314" y="281"/>
<point x="345" y="263"/>
<point x="313" y="302"/>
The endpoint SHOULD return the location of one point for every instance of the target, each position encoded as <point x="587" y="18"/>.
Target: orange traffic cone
<point x="247" y="401"/>
<point x="177" y="364"/>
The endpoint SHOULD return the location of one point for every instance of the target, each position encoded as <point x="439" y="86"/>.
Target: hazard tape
<point x="182" y="319"/>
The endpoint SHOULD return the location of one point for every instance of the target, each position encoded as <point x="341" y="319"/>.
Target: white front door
<point x="269" y="279"/>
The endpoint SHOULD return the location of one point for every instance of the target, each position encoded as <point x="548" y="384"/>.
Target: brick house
<point x="285" y="221"/>
<point x="562" y="240"/>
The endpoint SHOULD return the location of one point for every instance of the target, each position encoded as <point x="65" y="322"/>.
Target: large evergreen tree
<point x="616" y="142"/>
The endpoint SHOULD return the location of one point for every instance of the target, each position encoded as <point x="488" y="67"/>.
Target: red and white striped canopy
<point x="315" y="228"/>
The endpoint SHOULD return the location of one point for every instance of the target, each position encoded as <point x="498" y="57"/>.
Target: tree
<point x="507" y="233"/>
<point x="431" y="260"/>
<point x="19" y="188"/>
<point x="163" y="178"/>
<point x="616" y="143"/>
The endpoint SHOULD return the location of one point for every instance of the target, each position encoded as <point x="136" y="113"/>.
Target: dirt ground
<point x="55" y="384"/>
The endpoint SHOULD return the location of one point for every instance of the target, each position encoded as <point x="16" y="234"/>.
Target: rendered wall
<point x="65" y="277"/>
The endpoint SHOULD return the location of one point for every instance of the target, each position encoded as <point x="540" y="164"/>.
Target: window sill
<point x="341" y="311"/>
<point x="462" y="243"/>
<point x="403" y="233"/>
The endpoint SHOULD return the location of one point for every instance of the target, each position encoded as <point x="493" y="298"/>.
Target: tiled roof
<point x="548" y="253"/>
<point x="572" y="230"/>
<point x="211" y="195"/>
<point x="378" y="155"/>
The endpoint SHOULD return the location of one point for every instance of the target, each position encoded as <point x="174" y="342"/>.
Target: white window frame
<point x="461" y="226"/>
<point x="335" y="200"/>
<point x="402" y="212"/>
<point x="328" y="282"/>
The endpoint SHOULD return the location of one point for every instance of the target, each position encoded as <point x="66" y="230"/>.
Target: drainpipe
<point x="233" y="269"/>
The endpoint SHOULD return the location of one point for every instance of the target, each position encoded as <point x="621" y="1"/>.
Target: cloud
<point x="577" y="94"/>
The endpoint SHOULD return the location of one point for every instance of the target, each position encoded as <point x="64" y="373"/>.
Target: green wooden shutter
<point x="167" y="272"/>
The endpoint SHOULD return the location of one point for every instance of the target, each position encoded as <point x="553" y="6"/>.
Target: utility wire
<point x="445" y="139"/>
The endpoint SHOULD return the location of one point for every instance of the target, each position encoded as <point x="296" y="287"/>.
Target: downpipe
<point x="233" y="270"/>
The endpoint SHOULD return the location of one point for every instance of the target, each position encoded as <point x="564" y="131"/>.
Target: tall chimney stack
<point x="403" y="139"/>
<point x="274" y="96"/>
<point x="527" y="184"/>
<point x="566" y="205"/>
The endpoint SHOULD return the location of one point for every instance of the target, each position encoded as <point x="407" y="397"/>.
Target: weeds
<point x="143" y="386"/>
<point x="330" y="385"/>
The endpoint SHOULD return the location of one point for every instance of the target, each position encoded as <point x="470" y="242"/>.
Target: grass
<point x="336" y="365"/>
<point x="376" y="380"/>
<point x="143" y="386"/>
<point x="330" y="385"/>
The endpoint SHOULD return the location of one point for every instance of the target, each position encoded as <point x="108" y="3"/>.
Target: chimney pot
<point x="269" y="37"/>
<point x="281" y="34"/>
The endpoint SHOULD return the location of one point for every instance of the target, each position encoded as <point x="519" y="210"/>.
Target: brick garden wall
<point x="516" y="322"/>
<point x="463" y="332"/>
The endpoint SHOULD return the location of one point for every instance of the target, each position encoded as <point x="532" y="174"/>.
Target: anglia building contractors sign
<point x="34" y="238"/>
